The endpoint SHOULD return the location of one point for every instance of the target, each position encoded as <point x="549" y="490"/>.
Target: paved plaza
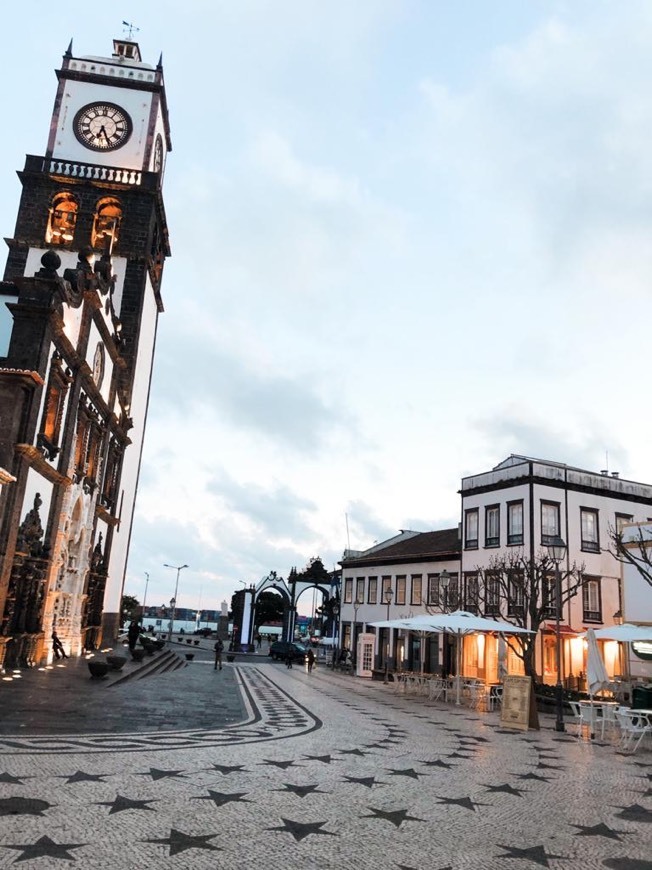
<point x="267" y="767"/>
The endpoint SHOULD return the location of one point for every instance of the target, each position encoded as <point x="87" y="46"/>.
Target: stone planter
<point x="97" y="668"/>
<point x="138" y="655"/>
<point x="196" y="642"/>
<point x="188" y="641"/>
<point x="230" y="657"/>
<point x="190" y="656"/>
<point x="116" y="663"/>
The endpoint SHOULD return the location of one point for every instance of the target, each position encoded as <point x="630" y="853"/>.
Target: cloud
<point x="526" y="435"/>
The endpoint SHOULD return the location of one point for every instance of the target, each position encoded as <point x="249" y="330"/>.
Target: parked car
<point x="205" y="632"/>
<point x="280" y="648"/>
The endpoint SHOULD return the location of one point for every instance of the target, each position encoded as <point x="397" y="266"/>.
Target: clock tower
<point x="79" y="306"/>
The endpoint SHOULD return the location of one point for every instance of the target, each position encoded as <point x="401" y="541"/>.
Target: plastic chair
<point x="576" y="716"/>
<point x="632" y="725"/>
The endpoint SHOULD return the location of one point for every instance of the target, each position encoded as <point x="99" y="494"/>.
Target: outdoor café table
<point x="634" y="723"/>
<point x="593" y="714"/>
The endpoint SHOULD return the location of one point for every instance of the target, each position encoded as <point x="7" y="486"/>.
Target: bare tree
<point x="636" y="550"/>
<point x="520" y="590"/>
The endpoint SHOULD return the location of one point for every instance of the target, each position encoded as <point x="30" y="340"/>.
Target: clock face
<point x="98" y="365"/>
<point x="158" y="154"/>
<point x="102" y="126"/>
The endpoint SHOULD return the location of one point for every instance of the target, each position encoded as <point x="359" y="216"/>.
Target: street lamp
<point x="354" y="632"/>
<point x="387" y="597"/>
<point x="335" y="610"/>
<point x="444" y="583"/>
<point x="557" y="551"/>
<point x="145" y="595"/>
<point x="173" y="601"/>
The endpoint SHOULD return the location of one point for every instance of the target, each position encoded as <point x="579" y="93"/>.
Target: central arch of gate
<point x="290" y="593"/>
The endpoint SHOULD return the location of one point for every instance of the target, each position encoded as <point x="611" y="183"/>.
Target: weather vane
<point x="130" y="29"/>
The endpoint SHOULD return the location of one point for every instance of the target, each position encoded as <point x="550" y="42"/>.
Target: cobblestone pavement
<point x="320" y="771"/>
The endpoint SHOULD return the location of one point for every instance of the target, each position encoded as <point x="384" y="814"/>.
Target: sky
<point x="409" y="238"/>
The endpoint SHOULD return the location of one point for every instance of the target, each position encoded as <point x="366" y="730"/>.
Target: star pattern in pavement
<point x="465" y="802"/>
<point x="438" y="763"/>
<point x="507" y="789"/>
<point x="283" y="765"/>
<point x="13" y="780"/>
<point x="22" y="806"/>
<point x="157" y="774"/>
<point x="301" y="830"/>
<point x="626" y="864"/>
<point x="358" y="752"/>
<point x="124" y="803"/>
<point x="531" y="775"/>
<point x="405" y="771"/>
<point x="179" y="842"/>
<point x="44" y="847"/>
<point x="301" y="790"/>
<point x="80" y="776"/>
<point x="600" y="830"/>
<point x="367" y="781"/>
<point x="635" y="813"/>
<point x="396" y="817"/>
<point x="226" y="769"/>
<point x="536" y="854"/>
<point x="220" y="798"/>
<point x="325" y="759"/>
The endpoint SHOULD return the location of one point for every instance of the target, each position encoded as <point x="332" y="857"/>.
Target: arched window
<point x="106" y="223"/>
<point x="62" y="220"/>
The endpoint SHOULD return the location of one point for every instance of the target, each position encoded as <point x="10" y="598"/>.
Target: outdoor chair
<point x="495" y="698"/>
<point x="608" y="719"/>
<point x="633" y="726"/>
<point x="576" y="716"/>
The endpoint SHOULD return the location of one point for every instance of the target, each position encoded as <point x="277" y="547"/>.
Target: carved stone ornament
<point x="30" y="532"/>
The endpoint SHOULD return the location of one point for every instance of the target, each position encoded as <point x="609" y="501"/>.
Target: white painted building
<point x="637" y="598"/>
<point x="521" y="505"/>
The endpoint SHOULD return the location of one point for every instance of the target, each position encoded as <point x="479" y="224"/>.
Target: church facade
<point x="79" y="305"/>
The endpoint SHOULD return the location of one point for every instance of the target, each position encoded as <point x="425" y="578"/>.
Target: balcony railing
<point x="75" y="169"/>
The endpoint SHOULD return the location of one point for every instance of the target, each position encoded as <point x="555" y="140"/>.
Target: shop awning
<point x="551" y="628"/>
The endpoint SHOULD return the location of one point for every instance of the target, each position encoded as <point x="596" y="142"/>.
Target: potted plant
<point x="98" y="669"/>
<point x="190" y="656"/>
<point x="116" y="663"/>
<point x="138" y="654"/>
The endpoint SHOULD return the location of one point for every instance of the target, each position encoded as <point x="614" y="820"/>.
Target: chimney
<point x="615" y="474"/>
<point x="605" y="472"/>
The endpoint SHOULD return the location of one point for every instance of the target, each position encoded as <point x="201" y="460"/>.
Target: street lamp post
<point x="387" y="596"/>
<point x="354" y="631"/>
<point x="444" y="583"/>
<point x="173" y="601"/>
<point x="335" y="610"/>
<point x="145" y="595"/>
<point x="557" y="551"/>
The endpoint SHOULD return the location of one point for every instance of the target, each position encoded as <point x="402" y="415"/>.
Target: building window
<point x="372" y="590"/>
<point x="621" y="520"/>
<point x="106" y="224"/>
<point x="492" y="526"/>
<point x="471" y="529"/>
<point x="387" y="589"/>
<point x="433" y="590"/>
<point x="492" y="594"/>
<point x="62" y="220"/>
<point x="348" y="590"/>
<point x="514" y="523"/>
<point x="400" y="589"/>
<point x="55" y="399"/>
<point x="416" y="589"/>
<point x="471" y="592"/>
<point x="590" y="530"/>
<point x="592" y="600"/>
<point x="359" y="590"/>
<point x="549" y="522"/>
<point x="111" y="476"/>
<point x="451" y="597"/>
<point x="516" y="597"/>
<point x="550" y="596"/>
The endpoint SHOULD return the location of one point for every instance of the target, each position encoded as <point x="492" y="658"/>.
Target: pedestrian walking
<point x="288" y="659"/>
<point x="133" y="633"/>
<point x="311" y="661"/>
<point x="57" y="647"/>
<point x="219" y="649"/>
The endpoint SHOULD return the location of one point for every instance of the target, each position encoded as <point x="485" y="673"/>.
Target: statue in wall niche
<point x="30" y="532"/>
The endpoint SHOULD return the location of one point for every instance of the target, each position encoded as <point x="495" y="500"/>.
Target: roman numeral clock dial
<point x="102" y="126"/>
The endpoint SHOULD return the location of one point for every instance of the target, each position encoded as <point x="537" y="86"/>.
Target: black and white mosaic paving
<point x="326" y="771"/>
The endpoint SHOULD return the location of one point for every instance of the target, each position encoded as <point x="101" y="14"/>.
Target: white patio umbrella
<point x="625" y="633"/>
<point x="597" y="677"/>
<point x="457" y="623"/>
